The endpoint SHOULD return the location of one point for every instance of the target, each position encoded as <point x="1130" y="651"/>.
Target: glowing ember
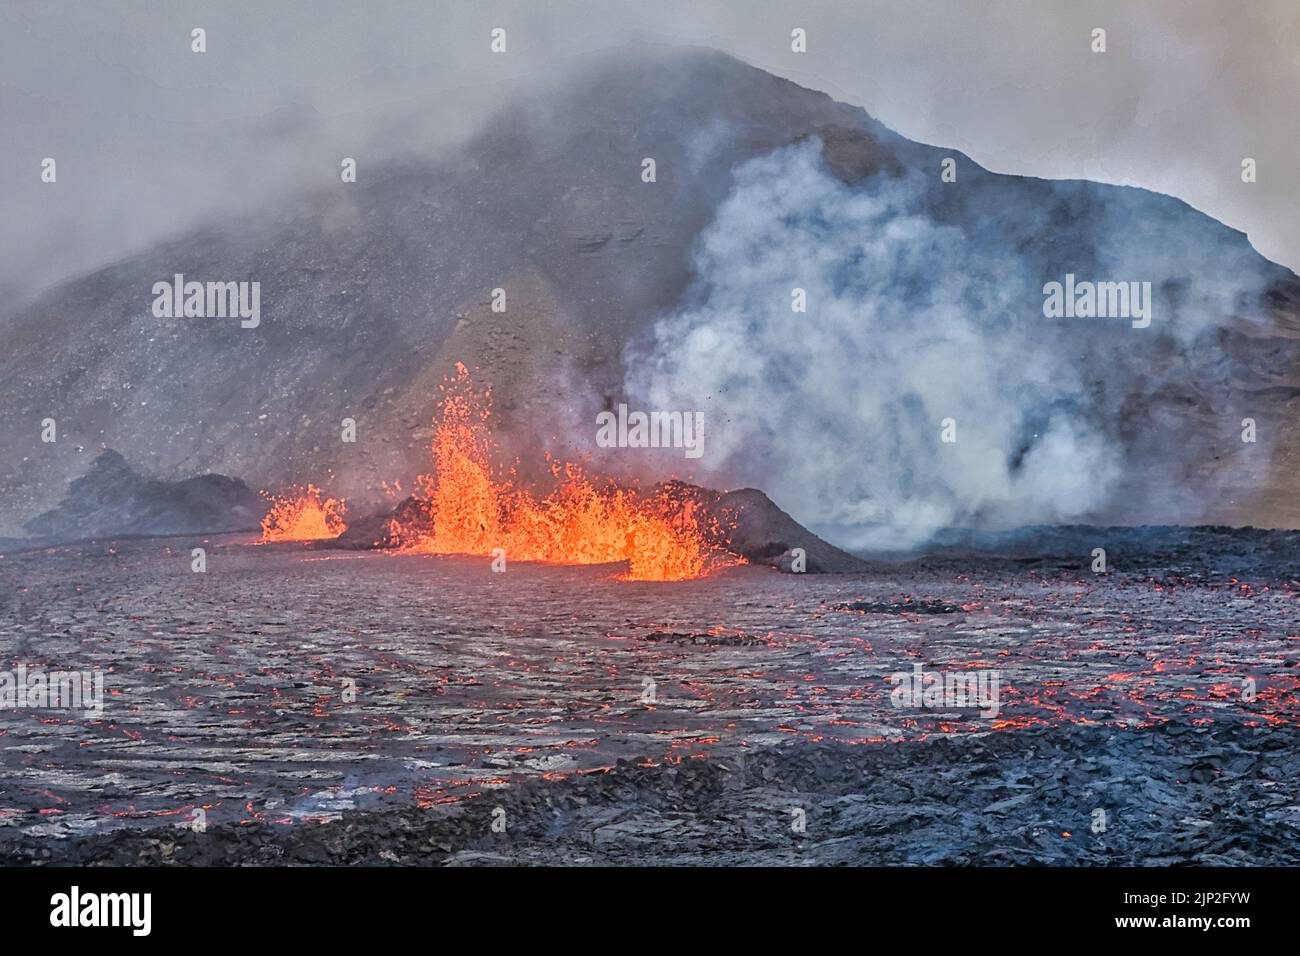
<point x="469" y="511"/>
<point x="303" y="516"/>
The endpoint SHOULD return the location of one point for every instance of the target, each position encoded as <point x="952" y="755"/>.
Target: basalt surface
<point x="112" y="498"/>
<point x="323" y="705"/>
<point x="1159" y="796"/>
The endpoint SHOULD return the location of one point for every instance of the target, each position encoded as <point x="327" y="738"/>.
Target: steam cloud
<point x="836" y="412"/>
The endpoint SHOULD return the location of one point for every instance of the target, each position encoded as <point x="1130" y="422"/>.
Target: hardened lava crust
<point x="301" y="704"/>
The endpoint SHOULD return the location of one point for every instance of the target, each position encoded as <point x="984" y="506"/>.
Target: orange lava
<point x="303" y="516"/>
<point x="469" y="510"/>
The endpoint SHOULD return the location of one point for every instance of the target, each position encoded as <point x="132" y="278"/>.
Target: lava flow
<point x="304" y="516"/>
<point x="463" y="508"/>
<point x="466" y="510"/>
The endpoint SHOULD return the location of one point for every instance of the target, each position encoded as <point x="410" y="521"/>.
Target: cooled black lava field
<point x="321" y="706"/>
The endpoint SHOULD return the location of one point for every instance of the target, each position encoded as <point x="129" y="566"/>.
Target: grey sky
<point x="151" y="138"/>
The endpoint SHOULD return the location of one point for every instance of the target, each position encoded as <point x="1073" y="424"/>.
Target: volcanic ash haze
<point x="924" y="302"/>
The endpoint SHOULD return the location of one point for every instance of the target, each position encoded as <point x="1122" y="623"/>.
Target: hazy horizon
<point x="152" y="139"/>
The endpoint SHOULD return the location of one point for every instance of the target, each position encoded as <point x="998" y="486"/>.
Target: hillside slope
<point x="371" y="292"/>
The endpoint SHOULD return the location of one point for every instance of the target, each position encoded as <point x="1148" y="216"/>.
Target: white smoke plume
<point x="837" y="412"/>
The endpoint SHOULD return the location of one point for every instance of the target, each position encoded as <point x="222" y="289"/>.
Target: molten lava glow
<point x="303" y="517"/>
<point x="471" y="511"/>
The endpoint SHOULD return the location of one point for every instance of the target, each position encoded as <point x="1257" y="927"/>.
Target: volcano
<point x="1051" y="386"/>
<point x="370" y="293"/>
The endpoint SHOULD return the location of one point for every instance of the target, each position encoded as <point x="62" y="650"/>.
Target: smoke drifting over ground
<point x="910" y="320"/>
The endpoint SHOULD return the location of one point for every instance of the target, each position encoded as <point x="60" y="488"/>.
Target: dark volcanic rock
<point x="905" y="606"/>
<point x="378" y="530"/>
<point x="994" y="801"/>
<point x="702" y="640"/>
<point x="750" y="524"/>
<point x="372" y="531"/>
<point x="1166" y="553"/>
<point x="114" y="499"/>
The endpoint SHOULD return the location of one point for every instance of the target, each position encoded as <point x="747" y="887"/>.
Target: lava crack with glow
<point x="464" y="508"/>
